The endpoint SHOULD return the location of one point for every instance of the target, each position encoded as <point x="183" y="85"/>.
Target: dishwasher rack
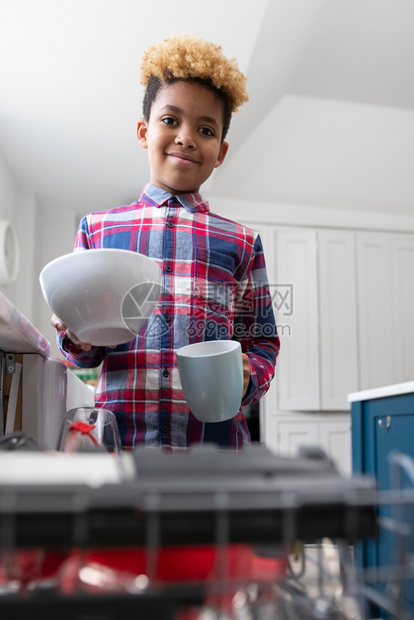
<point x="267" y="520"/>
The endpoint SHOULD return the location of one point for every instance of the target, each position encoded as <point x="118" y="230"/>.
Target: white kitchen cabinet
<point x="335" y="439"/>
<point x="402" y="306"/>
<point x="386" y="308"/>
<point x="319" y="363"/>
<point x="330" y="433"/>
<point x="374" y="317"/>
<point x="344" y="302"/>
<point x="338" y="318"/>
<point x="296" y="275"/>
<point x="292" y="435"/>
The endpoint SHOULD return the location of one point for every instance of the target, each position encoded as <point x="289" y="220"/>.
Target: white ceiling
<point x="330" y="121"/>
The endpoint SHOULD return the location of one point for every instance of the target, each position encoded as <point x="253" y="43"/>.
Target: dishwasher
<point x="204" y="534"/>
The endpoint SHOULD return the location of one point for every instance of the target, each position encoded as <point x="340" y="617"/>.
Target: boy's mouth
<point x="184" y="157"/>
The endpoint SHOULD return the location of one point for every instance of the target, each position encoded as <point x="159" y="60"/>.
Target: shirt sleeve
<point x="255" y="327"/>
<point x="79" y="357"/>
<point x="75" y="355"/>
<point x="83" y="240"/>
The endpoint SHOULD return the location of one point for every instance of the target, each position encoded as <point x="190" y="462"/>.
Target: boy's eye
<point x="206" y="131"/>
<point x="168" y="120"/>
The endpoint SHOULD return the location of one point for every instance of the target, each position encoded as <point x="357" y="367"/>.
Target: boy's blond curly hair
<point x="188" y="57"/>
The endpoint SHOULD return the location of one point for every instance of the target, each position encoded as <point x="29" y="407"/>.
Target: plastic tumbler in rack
<point x="86" y="429"/>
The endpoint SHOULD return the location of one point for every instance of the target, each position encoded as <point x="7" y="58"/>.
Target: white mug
<point x="211" y="376"/>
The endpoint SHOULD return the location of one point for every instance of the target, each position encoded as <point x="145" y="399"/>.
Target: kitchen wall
<point x="55" y="235"/>
<point x="9" y="210"/>
<point x="43" y="235"/>
<point x="8" y="191"/>
<point x="260" y="212"/>
<point x="21" y="208"/>
<point x="28" y="235"/>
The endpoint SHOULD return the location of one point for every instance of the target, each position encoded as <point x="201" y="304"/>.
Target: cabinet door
<point x="335" y="439"/>
<point x="386" y="308"/>
<point x="381" y="426"/>
<point x="402" y="297"/>
<point x="375" y="315"/>
<point x="294" y="435"/>
<point x="394" y="433"/>
<point x="338" y="318"/>
<point x="332" y="435"/>
<point x="296" y="275"/>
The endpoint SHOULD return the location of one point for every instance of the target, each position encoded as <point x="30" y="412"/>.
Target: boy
<point x="214" y="283"/>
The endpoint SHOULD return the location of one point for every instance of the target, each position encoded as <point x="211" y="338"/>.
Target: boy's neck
<point x="174" y="192"/>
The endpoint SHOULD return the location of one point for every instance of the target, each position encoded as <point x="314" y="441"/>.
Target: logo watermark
<point x="282" y="298"/>
<point x="139" y="303"/>
<point x="251" y="313"/>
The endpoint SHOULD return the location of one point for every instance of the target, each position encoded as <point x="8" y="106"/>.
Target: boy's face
<point x="183" y="137"/>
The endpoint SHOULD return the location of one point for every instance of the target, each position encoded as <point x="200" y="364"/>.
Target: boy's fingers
<point x="85" y="346"/>
<point x="246" y="372"/>
<point x="57" y="323"/>
<point x="60" y="326"/>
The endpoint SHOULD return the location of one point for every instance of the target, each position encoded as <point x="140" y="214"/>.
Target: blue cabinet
<point x="382" y="421"/>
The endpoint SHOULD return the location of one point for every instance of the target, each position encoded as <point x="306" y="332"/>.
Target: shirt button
<point x="170" y="224"/>
<point x="168" y="268"/>
<point x="165" y="372"/>
<point x="166" y="317"/>
<point x="164" y="428"/>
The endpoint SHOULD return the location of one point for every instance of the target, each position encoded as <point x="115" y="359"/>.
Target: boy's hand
<point x="60" y="326"/>
<point x="246" y="372"/>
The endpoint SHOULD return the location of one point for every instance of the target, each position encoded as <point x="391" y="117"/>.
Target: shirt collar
<point x="157" y="197"/>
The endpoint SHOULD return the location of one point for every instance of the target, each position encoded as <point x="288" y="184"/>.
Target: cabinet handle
<point x="385" y="423"/>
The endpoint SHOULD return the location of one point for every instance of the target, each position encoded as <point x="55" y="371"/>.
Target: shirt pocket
<point x="215" y="285"/>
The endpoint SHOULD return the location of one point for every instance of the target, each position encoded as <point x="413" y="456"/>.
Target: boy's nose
<point x="185" y="138"/>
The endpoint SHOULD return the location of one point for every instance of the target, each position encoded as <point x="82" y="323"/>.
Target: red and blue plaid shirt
<point x="214" y="286"/>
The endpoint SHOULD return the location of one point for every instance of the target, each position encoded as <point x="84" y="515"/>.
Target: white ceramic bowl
<point x="104" y="296"/>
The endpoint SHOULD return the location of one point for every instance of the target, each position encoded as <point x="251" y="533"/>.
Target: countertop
<point x="382" y="392"/>
<point x="17" y="334"/>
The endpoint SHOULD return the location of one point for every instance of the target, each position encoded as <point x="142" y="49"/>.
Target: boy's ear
<point x="142" y="129"/>
<point x="224" y="147"/>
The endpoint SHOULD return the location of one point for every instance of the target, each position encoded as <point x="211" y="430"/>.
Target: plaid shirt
<point x="214" y="286"/>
